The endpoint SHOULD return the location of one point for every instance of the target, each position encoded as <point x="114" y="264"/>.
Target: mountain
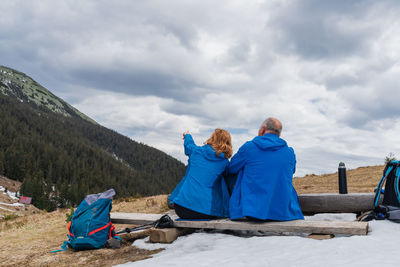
<point x="24" y="88"/>
<point x="61" y="155"/>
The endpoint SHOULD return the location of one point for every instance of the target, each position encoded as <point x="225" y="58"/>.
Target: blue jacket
<point x="203" y="188"/>
<point x="264" y="188"/>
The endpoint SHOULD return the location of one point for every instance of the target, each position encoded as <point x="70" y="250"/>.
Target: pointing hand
<point x="185" y="133"/>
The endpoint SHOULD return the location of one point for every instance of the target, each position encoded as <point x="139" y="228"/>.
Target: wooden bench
<point x="275" y="227"/>
<point x="310" y="204"/>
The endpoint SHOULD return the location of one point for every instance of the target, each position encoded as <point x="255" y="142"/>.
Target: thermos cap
<point x="341" y="164"/>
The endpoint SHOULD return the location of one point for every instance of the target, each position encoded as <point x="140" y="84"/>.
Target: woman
<point x="202" y="192"/>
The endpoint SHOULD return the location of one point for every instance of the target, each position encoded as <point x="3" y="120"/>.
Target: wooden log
<point x="297" y="226"/>
<point x="310" y="203"/>
<point x="167" y="235"/>
<point x="128" y="238"/>
<point x="334" y="203"/>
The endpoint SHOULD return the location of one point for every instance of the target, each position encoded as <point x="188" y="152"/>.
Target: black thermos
<point x="342" y="178"/>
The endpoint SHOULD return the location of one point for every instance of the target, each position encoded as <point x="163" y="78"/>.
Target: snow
<point x="10" y="194"/>
<point x="1" y="208"/>
<point x="379" y="247"/>
<point x="344" y="217"/>
<point x="12" y="204"/>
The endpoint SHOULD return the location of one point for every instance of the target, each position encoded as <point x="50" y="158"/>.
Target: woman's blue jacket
<point x="203" y="188"/>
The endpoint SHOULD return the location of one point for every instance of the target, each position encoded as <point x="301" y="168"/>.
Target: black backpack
<point x="390" y="207"/>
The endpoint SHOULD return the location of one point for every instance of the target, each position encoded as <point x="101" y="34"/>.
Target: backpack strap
<point x="69" y="228"/>
<point x="63" y="247"/>
<point x="101" y="228"/>
<point x="380" y="185"/>
<point x="396" y="183"/>
<point x="112" y="232"/>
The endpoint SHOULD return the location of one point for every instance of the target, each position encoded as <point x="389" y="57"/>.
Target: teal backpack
<point x="90" y="226"/>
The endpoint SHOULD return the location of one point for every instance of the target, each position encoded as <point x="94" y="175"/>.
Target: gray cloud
<point x="136" y="82"/>
<point x="324" y="29"/>
<point x="338" y="81"/>
<point x="152" y="69"/>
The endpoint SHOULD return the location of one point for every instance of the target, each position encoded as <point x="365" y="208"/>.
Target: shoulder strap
<point x="396" y="183"/>
<point x="381" y="182"/>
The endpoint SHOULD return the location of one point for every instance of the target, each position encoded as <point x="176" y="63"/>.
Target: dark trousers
<point x="230" y="181"/>
<point x="185" y="213"/>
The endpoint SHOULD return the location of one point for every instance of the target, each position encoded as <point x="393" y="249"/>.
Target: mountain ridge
<point x="26" y="89"/>
<point x="61" y="156"/>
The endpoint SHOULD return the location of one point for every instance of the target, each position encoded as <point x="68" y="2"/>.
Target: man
<point x="265" y="168"/>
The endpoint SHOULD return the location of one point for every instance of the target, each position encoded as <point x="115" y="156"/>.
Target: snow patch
<point x="378" y="248"/>
<point x="345" y="217"/>
<point x="10" y="194"/>
<point x="144" y="244"/>
<point x="12" y="204"/>
<point x="1" y="208"/>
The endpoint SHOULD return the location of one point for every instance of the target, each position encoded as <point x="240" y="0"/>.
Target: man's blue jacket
<point x="264" y="187"/>
<point x="203" y="188"/>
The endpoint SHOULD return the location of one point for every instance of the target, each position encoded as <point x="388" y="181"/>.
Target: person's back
<point x="202" y="192"/>
<point x="264" y="188"/>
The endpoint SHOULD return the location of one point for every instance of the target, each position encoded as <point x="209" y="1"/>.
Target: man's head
<point x="270" y="125"/>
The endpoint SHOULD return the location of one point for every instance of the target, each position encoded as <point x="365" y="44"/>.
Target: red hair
<point x="220" y="141"/>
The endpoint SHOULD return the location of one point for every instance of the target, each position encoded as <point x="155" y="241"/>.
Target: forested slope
<point x="62" y="156"/>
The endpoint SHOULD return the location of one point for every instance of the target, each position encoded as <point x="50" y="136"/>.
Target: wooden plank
<point x="133" y="218"/>
<point x="333" y="203"/>
<point x="298" y="226"/>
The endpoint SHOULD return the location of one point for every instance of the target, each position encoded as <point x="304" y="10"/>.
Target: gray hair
<point x="273" y="125"/>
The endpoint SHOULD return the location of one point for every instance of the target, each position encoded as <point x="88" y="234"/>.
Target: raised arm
<point x="188" y="144"/>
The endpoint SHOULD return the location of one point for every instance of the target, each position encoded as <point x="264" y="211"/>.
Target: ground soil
<point x="11" y="185"/>
<point x="27" y="240"/>
<point x="6" y="200"/>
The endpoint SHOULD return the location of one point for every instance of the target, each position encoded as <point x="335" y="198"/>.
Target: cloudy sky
<point x="153" y="69"/>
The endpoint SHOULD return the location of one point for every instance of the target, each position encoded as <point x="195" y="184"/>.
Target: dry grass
<point x="28" y="240"/>
<point x="11" y="185"/>
<point x="363" y="179"/>
<point x="154" y="204"/>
